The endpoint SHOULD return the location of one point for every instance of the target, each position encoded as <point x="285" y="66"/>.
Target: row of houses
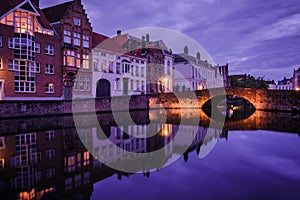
<point x="53" y="53"/>
<point x="292" y="83"/>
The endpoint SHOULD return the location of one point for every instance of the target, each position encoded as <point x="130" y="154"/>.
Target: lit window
<point x="37" y="47"/>
<point x="49" y="88"/>
<point x="71" y="162"/>
<point x="95" y="64"/>
<point x="85" y="61"/>
<point x="49" y="49"/>
<point x="86" y="41"/>
<point x="78" y="60"/>
<point x="103" y="66"/>
<point x="77" y="39"/>
<point x="110" y="67"/>
<point x="49" y="69"/>
<point x="1" y="41"/>
<point x="76" y="21"/>
<point x="50" y="154"/>
<point x="86" y="158"/>
<point x="69" y="58"/>
<point x="67" y="36"/>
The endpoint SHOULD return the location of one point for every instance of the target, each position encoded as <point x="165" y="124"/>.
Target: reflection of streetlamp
<point x="298" y="89"/>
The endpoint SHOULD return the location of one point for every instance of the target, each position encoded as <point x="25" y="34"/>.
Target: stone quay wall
<point x="267" y="100"/>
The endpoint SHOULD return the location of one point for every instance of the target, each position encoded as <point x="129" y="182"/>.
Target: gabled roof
<point x="121" y="39"/>
<point x="55" y="13"/>
<point x="98" y="38"/>
<point x="7" y="5"/>
<point x="106" y="43"/>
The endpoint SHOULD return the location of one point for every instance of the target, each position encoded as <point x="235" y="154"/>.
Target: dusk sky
<point x="260" y="37"/>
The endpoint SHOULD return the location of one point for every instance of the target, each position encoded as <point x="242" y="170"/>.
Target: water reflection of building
<point x="37" y="164"/>
<point x="56" y="164"/>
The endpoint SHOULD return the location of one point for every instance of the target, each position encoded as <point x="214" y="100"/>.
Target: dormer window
<point x="76" y="21"/>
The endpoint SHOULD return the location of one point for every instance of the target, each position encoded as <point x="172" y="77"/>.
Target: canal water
<point x="150" y="157"/>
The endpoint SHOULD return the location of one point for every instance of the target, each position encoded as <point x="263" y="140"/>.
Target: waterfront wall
<point x="267" y="100"/>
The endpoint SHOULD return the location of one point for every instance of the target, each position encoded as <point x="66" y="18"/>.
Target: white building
<point x="192" y="73"/>
<point x="285" y="84"/>
<point x="116" y="72"/>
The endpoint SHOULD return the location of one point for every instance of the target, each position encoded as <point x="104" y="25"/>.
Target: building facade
<point x="115" y="71"/>
<point x="285" y="84"/>
<point x="192" y="73"/>
<point x="29" y="53"/>
<point x="296" y="80"/>
<point x="72" y="25"/>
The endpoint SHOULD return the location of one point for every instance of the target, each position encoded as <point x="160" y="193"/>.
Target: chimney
<point x="119" y="32"/>
<point x="186" y="50"/>
<point x="36" y="3"/>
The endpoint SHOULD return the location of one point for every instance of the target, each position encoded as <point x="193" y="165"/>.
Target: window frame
<point x="48" y="69"/>
<point x="49" y="49"/>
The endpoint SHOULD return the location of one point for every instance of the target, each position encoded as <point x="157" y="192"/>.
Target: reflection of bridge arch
<point x="103" y="88"/>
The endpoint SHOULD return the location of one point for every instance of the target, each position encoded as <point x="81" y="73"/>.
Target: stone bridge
<point x="268" y="100"/>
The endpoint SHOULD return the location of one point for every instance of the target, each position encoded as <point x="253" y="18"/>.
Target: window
<point x="103" y="54"/>
<point x="137" y="85"/>
<point x="78" y="180"/>
<point x="95" y="64"/>
<point x="103" y="66"/>
<point x="49" y="69"/>
<point x="76" y="21"/>
<point x="37" y="67"/>
<point x="37" y="47"/>
<point x="79" y="160"/>
<point x="1" y="41"/>
<point x="69" y="58"/>
<point x="68" y="184"/>
<point x="24" y="77"/>
<point x="86" y="178"/>
<point x="142" y="71"/>
<point x="118" y="68"/>
<point x="132" y="70"/>
<point x="49" y="49"/>
<point x="110" y="67"/>
<point x="2" y="143"/>
<point x="49" y="88"/>
<point x="84" y="83"/>
<point x="50" y="154"/>
<point x="142" y="85"/>
<point x="86" y="158"/>
<point x="50" y="135"/>
<point x="85" y="62"/>
<point x="78" y="60"/>
<point x="50" y="173"/>
<point x="77" y="39"/>
<point x="10" y="43"/>
<point x="1" y="63"/>
<point x="67" y="36"/>
<point x="118" y="84"/>
<point x="71" y="162"/>
<point x="131" y="84"/>
<point x="86" y="41"/>
<point x="137" y="70"/>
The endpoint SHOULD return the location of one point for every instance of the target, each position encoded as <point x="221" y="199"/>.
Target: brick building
<point x="29" y="53"/>
<point x="72" y="25"/>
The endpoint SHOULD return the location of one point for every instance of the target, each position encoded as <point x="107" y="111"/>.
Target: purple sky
<point x="254" y="36"/>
